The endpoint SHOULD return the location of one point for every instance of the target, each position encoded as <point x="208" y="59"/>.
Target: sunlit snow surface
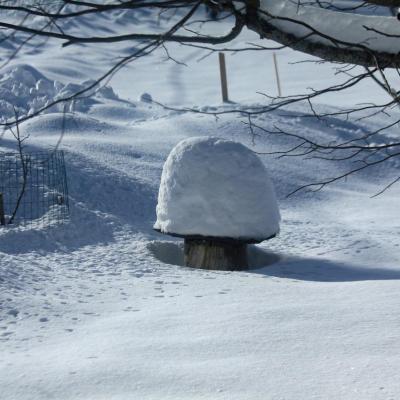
<point x="101" y="307"/>
<point x="25" y="91"/>
<point x="216" y="188"/>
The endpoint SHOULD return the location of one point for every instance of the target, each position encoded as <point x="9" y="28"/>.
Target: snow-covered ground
<point x="102" y="308"/>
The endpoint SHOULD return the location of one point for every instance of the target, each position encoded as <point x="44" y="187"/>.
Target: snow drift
<point x="25" y="90"/>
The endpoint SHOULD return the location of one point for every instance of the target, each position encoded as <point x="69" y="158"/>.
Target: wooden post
<point x="214" y="254"/>
<point x="278" y="81"/>
<point x="2" y="216"/>
<point x="224" y="80"/>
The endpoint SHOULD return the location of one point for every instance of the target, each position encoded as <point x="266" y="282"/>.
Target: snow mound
<point x="216" y="188"/>
<point x="26" y="90"/>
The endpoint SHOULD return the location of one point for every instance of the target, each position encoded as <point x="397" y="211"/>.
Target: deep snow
<point x="23" y="89"/>
<point x="216" y="188"/>
<point x="101" y="307"/>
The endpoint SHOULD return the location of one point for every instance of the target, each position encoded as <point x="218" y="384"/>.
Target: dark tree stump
<point x="216" y="254"/>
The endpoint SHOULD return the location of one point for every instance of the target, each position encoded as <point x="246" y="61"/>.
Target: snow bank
<point x="346" y="27"/>
<point x="218" y="188"/>
<point x="27" y="90"/>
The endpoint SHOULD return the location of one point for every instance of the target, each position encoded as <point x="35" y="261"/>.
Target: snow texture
<point x="216" y="188"/>
<point x="345" y="27"/>
<point x="101" y="307"/>
<point x="23" y="89"/>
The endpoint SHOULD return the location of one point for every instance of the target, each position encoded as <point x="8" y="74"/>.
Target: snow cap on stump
<point x="216" y="188"/>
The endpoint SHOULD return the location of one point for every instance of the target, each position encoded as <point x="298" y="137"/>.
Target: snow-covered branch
<point x="331" y="35"/>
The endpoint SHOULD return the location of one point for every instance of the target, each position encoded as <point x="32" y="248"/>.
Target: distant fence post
<point x="278" y="81"/>
<point x="224" y="81"/>
<point x="2" y="216"/>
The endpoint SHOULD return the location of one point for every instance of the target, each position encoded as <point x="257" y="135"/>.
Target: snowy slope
<point x="101" y="307"/>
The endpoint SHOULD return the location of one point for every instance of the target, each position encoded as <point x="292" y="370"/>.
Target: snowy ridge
<point x="25" y="90"/>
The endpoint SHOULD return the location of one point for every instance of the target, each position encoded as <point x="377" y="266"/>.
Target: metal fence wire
<point x="33" y="189"/>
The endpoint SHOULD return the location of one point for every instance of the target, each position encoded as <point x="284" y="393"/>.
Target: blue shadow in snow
<point x="314" y="269"/>
<point x="272" y="264"/>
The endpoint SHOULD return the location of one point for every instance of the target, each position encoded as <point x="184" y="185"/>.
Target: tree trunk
<point x="215" y="254"/>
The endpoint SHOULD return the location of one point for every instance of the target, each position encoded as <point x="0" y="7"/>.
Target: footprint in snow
<point x="13" y="312"/>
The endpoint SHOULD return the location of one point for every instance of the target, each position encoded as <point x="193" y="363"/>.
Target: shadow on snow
<point x="271" y="264"/>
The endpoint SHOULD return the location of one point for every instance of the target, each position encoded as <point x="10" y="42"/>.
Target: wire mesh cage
<point x="33" y="189"/>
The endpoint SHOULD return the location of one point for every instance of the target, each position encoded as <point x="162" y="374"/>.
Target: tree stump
<point x="214" y="254"/>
